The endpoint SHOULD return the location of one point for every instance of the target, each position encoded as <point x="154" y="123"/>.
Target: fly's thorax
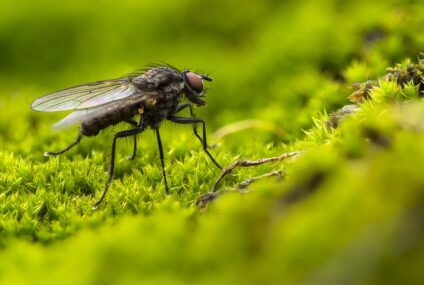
<point x="160" y="79"/>
<point x="164" y="107"/>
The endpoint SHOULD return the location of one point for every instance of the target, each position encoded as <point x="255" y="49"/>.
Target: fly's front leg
<point x="118" y="135"/>
<point x="182" y="107"/>
<point x="188" y="105"/>
<point x="77" y="141"/>
<point x="184" y="120"/>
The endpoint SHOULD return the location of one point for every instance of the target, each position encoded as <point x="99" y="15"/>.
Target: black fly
<point x="153" y="95"/>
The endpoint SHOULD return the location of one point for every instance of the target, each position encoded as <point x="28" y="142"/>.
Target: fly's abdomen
<point x="111" y="116"/>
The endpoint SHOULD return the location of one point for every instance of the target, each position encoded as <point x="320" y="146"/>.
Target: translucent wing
<point x="80" y="116"/>
<point x="85" y="96"/>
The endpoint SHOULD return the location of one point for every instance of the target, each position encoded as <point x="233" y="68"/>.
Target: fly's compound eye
<point x="194" y="81"/>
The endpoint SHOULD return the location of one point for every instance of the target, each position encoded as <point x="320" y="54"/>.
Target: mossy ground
<point x="348" y="211"/>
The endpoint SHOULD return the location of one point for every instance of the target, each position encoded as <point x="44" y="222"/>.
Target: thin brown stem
<point x="249" y="181"/>
<point x="247" y="163"/>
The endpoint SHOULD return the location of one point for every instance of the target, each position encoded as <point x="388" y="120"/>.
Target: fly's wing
<point x="79" y="116"/>
<point x="85" y="96"/>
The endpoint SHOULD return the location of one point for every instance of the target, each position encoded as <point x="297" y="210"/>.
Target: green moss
<point x="349" y="209"/>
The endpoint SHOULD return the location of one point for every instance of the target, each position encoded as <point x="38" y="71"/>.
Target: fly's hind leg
<point x="77" y="140"/>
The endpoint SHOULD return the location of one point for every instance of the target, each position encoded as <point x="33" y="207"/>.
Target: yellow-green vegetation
<point x="349" y="210"/>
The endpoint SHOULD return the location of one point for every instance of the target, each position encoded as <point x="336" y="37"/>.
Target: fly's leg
<point x="188" y="105"/>
<point x="161" y="160"/>
<point x="77" y="140"/>
<point x="193" y="121"/>
<point x="132" y="157"/>
<point x="182" y="107"/>
<point x="118" y="135"/>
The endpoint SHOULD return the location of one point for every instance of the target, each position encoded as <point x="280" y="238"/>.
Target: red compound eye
<point x="194" y="81"/>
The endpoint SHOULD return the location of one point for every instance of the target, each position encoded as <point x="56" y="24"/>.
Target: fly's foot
<point x="49" y="153"/>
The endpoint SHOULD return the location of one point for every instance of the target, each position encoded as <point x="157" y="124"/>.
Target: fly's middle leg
<point x="118" y="135"/>
<point x="132" y="157"/>
<point x="161" y="160"/>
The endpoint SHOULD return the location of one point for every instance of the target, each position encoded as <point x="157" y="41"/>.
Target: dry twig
<point x="247" y="163"/>
<point x="211" y="195"/>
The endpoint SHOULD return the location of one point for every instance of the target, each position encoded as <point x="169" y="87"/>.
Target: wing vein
<point x="86" y="95"/>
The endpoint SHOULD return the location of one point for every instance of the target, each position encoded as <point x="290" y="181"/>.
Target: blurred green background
<point x="260" y="53"/>
<point x="278" y="67"/>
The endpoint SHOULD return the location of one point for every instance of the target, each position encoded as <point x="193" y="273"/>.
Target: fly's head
<point x="193" y="87"/>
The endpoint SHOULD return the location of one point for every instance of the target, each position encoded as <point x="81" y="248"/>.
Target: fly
<point x="151" y="95"/>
